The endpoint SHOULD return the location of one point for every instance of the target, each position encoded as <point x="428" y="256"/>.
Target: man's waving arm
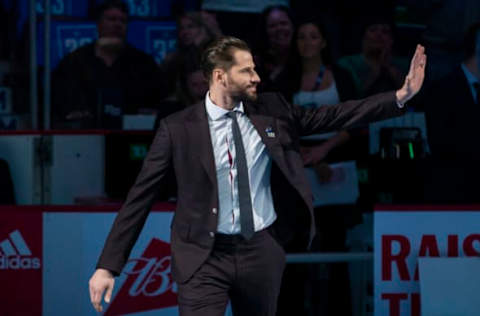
<point x="360" y="112"/>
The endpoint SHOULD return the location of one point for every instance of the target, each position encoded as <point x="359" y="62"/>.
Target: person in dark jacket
<point x="452" y="111"/>
<point x="96" y="84"/>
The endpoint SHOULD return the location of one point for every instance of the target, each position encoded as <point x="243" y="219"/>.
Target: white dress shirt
<point x="317" y="98"/>
<point x="259" y="168"/>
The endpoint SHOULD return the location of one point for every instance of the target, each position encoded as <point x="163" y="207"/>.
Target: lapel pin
<point x="270" y="132"/>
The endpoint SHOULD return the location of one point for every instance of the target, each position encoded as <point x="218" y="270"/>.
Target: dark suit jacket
<point x="452" y="118"/>
<point x="452" y="126"/>
<point x="183" y="140"/>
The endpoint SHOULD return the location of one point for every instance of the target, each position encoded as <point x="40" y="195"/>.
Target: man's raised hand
<point x="416" y="75"/>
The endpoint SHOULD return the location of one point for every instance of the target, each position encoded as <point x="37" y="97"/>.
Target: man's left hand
<point x="415" y="77"/>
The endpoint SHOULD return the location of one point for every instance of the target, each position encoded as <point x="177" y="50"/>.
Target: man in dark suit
<point x="452" y="112"/>
<point x="242" y="192"/>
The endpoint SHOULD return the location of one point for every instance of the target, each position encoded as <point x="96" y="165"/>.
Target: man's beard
<point x="241" y="95"/>
<point x="244" y="96"/>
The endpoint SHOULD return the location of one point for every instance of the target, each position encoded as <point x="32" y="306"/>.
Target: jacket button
<point x="212" y="234"/>
<point x="214" y="210"/>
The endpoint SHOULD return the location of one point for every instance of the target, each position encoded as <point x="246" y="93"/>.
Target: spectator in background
<point x="445" y="23"/>
<point x="210" y="19"/>
<point x="376" y="69"/>
<point x="96" y="84"/>
<point x="274" y="45"/>
<point x="312" y="80"/>
<point x="195" y="30"/>
<point x="191" y="87"/>
<point x="452" y="112"/>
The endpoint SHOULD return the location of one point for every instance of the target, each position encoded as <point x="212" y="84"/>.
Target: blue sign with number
<point x="71" y="37"/>
<point x="161" y="40"/>
<point x="65" y="38"/>
<point x="155" y="38"/>
<point x="147" y="8"/>
<point x="58" y="7"/>
<point x="70" y="8"/>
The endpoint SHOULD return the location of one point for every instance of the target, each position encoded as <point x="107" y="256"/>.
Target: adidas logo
<point x="15" y="254"/>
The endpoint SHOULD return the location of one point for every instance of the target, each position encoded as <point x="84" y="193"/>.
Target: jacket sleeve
<point x="345" y="115"/>
<point x="133" y="214"/>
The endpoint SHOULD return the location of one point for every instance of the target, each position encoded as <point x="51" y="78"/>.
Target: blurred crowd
<point x="313" y="52"/>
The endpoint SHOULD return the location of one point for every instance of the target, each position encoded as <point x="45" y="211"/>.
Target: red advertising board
<point x="21" y="261"/>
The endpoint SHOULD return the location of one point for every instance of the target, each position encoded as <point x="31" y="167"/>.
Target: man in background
<point x="95" y="85"/>
<point x="452" y="109"/>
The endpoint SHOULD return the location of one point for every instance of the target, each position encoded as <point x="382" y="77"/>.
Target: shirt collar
<point x="469" y="75"/>
<point x="215" y="112"/>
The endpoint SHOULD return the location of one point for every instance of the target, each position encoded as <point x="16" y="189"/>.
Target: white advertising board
<point x="402" y="235"/>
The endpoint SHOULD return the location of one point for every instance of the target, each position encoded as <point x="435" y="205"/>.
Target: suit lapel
<point x="266" y="127"/>
<point x="199" y="135"/>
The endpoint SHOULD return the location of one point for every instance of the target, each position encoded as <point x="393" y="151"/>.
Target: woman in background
<point x="312" y="80"/>
<point x="274" y="45"/>
<point x="195" y="30"/>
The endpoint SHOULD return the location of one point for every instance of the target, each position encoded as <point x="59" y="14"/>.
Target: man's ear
<point x="218" y="76"/>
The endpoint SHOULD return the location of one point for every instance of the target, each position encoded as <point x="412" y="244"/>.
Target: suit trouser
<point x="246" y="272"/>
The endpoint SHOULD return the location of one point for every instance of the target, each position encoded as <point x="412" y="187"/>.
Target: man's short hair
<point x="470" y="40"/>
<point x="219" y="54"/>
<point x="110" y="4"/>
